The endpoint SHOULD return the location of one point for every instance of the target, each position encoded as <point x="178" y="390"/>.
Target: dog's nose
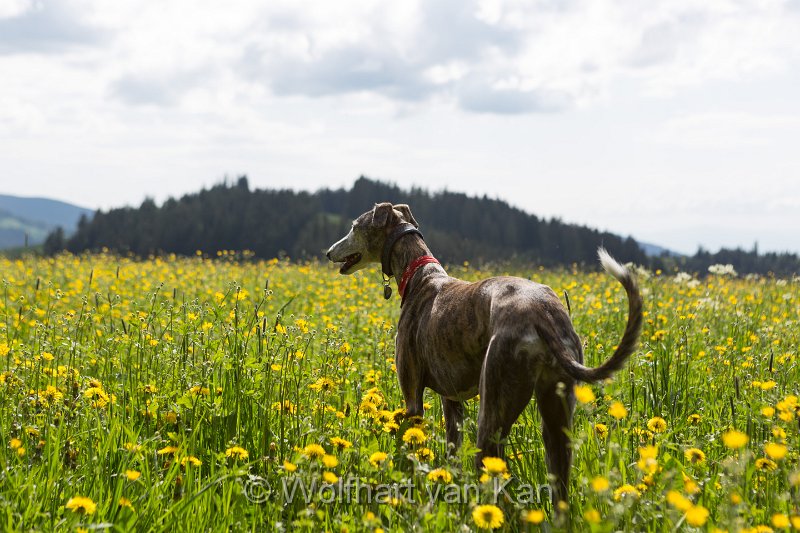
<point x="328" y="255"/>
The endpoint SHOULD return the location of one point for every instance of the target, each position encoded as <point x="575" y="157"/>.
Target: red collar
<point x="410" y="270"/>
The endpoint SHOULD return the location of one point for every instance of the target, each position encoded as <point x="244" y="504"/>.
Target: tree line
<point x="457" y="227"/>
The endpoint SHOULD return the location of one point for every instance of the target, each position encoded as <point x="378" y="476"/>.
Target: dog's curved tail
<point x="565" y="355"/>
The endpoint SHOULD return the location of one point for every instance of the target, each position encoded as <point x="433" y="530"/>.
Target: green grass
<point x="160" y="367"/>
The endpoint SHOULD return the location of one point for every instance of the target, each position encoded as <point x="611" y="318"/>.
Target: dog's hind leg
<point x="506" y="387"/>
<point x="556" y="402"/>
<point x="453" y="419"/>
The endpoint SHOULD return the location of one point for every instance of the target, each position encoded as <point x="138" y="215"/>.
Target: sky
<point x="676" y="122"/>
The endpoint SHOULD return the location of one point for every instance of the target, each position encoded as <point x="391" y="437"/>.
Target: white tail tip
<point x="610" y="264"/>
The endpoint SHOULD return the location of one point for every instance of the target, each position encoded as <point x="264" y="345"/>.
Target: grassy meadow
<point x="191" y="394"/>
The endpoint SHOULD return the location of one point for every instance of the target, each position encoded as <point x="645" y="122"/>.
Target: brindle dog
<point x="505" y="338"/>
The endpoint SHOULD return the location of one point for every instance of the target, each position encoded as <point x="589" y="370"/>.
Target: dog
<point x="505" y="338"/>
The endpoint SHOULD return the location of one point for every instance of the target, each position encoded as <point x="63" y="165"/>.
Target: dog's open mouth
<point x="349" y="262"/>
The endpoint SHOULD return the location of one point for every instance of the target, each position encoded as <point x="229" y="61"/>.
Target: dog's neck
<point x="407" y="248"/>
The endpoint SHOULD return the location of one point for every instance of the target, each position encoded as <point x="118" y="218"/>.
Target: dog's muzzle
<point x="348" y="262"/>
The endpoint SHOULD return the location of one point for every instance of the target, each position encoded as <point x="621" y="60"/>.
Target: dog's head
<point x="364" y="243"/>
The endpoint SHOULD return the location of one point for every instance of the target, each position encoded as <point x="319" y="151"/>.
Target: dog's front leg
<point x="453" y="419"/>
<point x="412" y="385"/>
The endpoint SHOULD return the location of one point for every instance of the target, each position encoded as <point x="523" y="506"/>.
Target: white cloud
<point x="556" y="105"/>
<point x="727" y="129"/>
<point x="512" y="56"/>
<point x="14" y="8"/>
<point x="44" y="27"/>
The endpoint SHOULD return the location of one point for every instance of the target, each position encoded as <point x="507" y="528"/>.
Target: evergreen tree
<point x="457" y="227"/>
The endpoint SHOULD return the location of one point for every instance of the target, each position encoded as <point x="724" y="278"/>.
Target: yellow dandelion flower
<point x="132" y="475"/>
<point x="342" y="444"/>
<point x="617" y="410"/>
<point x="494" y="466"/>
<point x="696" y="515"/>
<point x="132" y="447"/>
<point x="440" y="475"/>
<point x="695" y="456"/>
<point x="323" y="385"/>
<point x="693" y="419"/>
<point x="125" y="502"/>
<point x="81" y="505"/>
<point x="329" y="477"/>
<point x="191" y="460"/>
<point x="533" y="516"/>
<point x="626" y="491"/>
<point x="592" y="516"/>
<point x="97" y="396"/>
<point x="488" y="516"/>
<point x="775" y="450"/>
<point x="51" y="394"/>
<point x="767" y="385"/>
<point x="314" y="451"/>
<point x="370" y="519"/>
<point x="414" y="436"/>
<point x="584" y="394"/>
<point x="377" y="458"/>
<point x="237" y="453"/>
<point x="790" y="401"/>
<point x="766" y="464"/>
<point x="329" y="461"/>
<point x="15" y="443"/>
<point x="657" y="424"/>
<point x="425" y="454"/>
<point x="734" y="439"/>
<point x="690" y="485"/>
<point x="289" y="466"/>
<point x="286" y="405"/>
<point x="781" y="521"/>
<point x="600" y="484"/>
<point x="768" y="412"/>
<point x="679" y="501"/>
<point x="168" y="450"/>
<point x="197" y="390"/>
<point x="648" y="462"/>
<point x="383" y="416"/>
<point x="601" y="430"/>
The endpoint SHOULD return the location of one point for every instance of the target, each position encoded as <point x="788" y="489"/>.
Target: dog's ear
<point x="381" y="214"/>
<point x="406" y="212"/>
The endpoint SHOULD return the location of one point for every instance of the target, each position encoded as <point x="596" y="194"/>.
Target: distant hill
<point x="302" y="224"/>
<point x="35" y="217"/>
<point x="654" y="250"/>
